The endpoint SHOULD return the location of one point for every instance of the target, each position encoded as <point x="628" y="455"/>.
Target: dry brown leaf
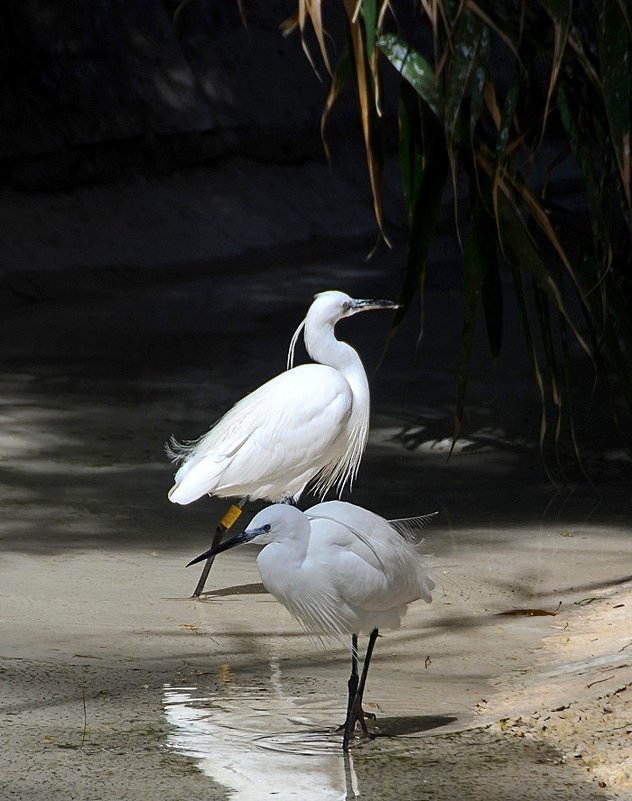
<point x="530" y="612"/>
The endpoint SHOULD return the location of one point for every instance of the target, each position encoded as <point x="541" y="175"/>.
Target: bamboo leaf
<point x="414" y="68"/>
<point x="480" y="75"/>
<point x="614" y="58"/>
<point x="560" y="13"/>
<point x="518" y="245"/>
<point x="507" y="114"/>
<point x="544" y="318"/>
<point x="476" y="256"/>
<point x="508" y="187"/>
<point x="479" y="83"/>
<point x="619" y="359"/>
<point x="371" y="19"/>
<point x="425" y="216"/>
<point x="583" y="58"/>
<point x="532" y="355"/>
<point x="343" y="75"/>
<point x="492" y="294"/>
<point x="570" y="117"/>
<point x="289" y="24"/>
<point x="467" y="38"/>
<point x="410" y="145"/>
<point x="503" y="26"/>
<point x="368" y="10"/>
<point x="568" y="396"/>
<point x="491" y="288"/>
<point x="368" y="112"/>
<point x="312" y="10"/>
<point x="491" y="102"/>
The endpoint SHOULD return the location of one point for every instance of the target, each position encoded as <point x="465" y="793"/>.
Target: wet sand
<point x="116" y="684"/>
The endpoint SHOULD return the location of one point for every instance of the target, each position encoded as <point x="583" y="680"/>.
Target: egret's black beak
<point x="367" y="305"/>
<point x="245" y="536"/>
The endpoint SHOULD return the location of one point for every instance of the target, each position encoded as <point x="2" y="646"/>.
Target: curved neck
<point x="323" y="347"/>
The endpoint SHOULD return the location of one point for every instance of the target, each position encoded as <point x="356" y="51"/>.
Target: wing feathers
<point x="276" y="438"/>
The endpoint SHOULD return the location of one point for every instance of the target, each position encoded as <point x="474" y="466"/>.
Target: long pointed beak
<point x="368" y="305"/>
<point x="245" y="536"/>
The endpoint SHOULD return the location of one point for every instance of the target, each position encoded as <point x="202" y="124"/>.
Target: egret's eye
<point x="267" y="527"/>
<point x="346" y="306"/>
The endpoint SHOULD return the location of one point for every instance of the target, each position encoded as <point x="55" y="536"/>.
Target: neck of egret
<point x="318" y="329"/>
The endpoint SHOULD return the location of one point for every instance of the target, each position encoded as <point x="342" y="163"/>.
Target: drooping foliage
<point x="503" y="98"/>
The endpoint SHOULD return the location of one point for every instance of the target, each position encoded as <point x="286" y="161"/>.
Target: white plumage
<point x="309" y="424"/>
<point x="339" y="569"/>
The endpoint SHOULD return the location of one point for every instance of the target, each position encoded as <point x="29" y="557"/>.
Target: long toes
<point x="359" y="724"/>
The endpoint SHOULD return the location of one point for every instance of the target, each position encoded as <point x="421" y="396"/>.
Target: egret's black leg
<point x="224" y="524"/>
<point x="353" y="691"/>
<point x="199" y="587"/>
<point x="358" y="711"/>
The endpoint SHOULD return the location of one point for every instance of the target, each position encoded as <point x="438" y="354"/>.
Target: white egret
<point x="307" y="425"/>
<point x="338" y="569"/>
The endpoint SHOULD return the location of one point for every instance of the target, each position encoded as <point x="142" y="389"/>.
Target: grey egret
<point x="339" y="569"/>
<point x="308" y="425"/>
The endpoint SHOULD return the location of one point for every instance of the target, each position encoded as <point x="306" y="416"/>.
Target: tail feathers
<point x="195" y="479"/>
<point x="426" y="586"/>
<point x="185" y="493"/>
<point x="411" y="527"/>
<point x="178" y="452"/>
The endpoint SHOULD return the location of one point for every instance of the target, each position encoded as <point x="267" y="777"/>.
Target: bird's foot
<point x="358" y="725"/>
<point x="360" y="721"/>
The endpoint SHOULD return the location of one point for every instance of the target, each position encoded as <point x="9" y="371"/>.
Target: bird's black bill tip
<point x="245" y="536"/>
<point x="200" y="558"/>
<point x="367" y="305"/>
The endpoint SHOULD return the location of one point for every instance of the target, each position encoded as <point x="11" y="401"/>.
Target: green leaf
<point x="579" y="140"/>
<point x="544" y="318"/>
<point x="492" y="295"/>
<point x="504" y="22"/>
<point x="614" y="59"/>
<point x="507" y="113"/>
<point x="491" y="289"/>
<point x="560" y="12"/>
<point x="414" y="68"/>
<point x="476" y="255"/>
<point x="410" y="145"/>
<point x="425" y="216"/>
<point x="532" y="355"/>
<point x="369" y="16"/>
<point x="467" y="38"/>
<point x="480" y="73"/>
<point x="518" y="245"/>
<point x="372" y="127"/>
<point x="343" y="75"/>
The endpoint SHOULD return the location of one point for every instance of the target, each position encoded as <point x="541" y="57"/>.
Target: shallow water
<point x="256" y="745"/>
<point x="259" y="743"/>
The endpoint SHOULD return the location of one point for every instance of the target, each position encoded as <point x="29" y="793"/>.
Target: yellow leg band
<point x="230" y="516"/>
